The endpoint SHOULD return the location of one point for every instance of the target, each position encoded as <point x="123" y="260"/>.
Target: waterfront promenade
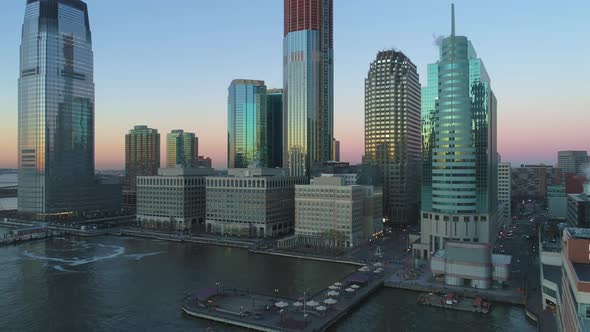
<point x="274" y="313"/>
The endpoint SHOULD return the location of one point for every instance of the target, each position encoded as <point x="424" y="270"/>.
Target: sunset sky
<point x="168" y="64"/>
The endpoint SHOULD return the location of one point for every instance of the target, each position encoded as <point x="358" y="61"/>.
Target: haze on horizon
<point x="169" y="67"/>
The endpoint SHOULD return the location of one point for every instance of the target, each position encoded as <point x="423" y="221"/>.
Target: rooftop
<point x="579" y="233"/>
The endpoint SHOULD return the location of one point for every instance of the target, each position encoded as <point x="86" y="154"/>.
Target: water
<point x="127" y="284"/>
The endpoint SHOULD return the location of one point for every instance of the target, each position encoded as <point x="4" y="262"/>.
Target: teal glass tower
<point x="56" y="110"/>
<point x="459" y="191"/>
<point x="181" y="149"/>
<point x="247" y="116"/>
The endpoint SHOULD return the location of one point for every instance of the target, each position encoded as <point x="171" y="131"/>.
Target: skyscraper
<point x="56" y="110"/>
<point x="142" y="158"/>
<point x="572" y="162"/>
<point x="392" y="132"/>
<point x="460" y="202"/>
<point x="335" y="150"/>
<point x="181" y="149"/>
<point x="247" y="124"/>
<point x="308" y="75"/>
<point x="274" y="103"/>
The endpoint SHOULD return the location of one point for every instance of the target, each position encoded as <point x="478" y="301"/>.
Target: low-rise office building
<point x="329" y="213"/>
<point x="253" y="202"/>
<point x="565" y="278"/>
<point x="174" y="200"/>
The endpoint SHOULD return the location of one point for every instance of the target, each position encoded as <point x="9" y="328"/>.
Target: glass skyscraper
<point x="55" y="110"/>
<point x="392" y="132"/>
<point x="308" y="75"/>
<point x="459" y="192"/>
<point x="181" y="149"/>
<point x="247" y="116"/>
<point x="274" y="103"/>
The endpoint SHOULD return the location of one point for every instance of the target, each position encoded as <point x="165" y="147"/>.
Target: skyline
<point x="175" y="93"/>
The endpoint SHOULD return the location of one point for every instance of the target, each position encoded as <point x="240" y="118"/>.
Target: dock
<point x="263" y="312"/>
<point x="453" y="302"/>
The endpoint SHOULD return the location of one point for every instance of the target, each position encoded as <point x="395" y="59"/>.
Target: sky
<point x="168" y="64"/>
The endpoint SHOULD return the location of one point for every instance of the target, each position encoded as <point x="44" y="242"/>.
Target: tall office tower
<point x="181" y="149"/>
<point x="196" y="158"/>
<point x="335" y="150"/>
<point x="392" y="132"/>
<point x="460" y="134"/>
<point x="274" y="103"/>
<point x="55" y="110"/>
<point x="308" y="75"/>
<point x="247" y="124"/>
<point x="572" y="161"/>
<point x="505" y="189"/>
<point x="142" y="158"/>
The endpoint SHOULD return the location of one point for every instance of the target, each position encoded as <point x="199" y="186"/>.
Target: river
<point x="127" y="284"/>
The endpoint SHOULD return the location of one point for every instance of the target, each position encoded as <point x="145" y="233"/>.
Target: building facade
<point x="205" y="162"/>
<point x="252" y="202"/>
<point x="181" y="149"/>
<point x="578" y="209"/>
<point x="247" y="124"/>
<point x="556" y="201"/>
<point x="142" y="158"/>
<point x="308" y="88"/>
<point x="56" y="110"/>
<point x="572" y="162"/>
<point x="530" y="181"/>
<point x="274" y="103"/>
<point x="505" y="189"/>
<point x="462" y="176"/>
<point x="174" y="200"/>
<point x="336" y="150"/>
<point x="392" y="132"/>
<point x="329" y="213"/>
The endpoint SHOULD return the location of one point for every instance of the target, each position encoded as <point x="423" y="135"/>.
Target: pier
<point x="274" y="313"/>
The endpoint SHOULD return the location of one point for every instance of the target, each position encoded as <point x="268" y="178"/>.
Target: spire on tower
<point x="452" y="19"/>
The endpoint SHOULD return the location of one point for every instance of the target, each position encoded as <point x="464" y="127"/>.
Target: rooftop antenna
<point x="453" y="19"/>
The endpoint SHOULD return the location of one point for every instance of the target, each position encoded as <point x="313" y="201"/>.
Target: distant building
<point x="574" y="183"/>
<point x="578" y="209"/>
<point x="392" y="132"/>
<point x="274" y="103"/>
<point x="556" y="201"/>
<point x="329" y="213"/>
<point x="530" y="181"/>
<point x="174" y="200"/>
<point x="252" y="202"/>
<point x="142" y="158"/>
<point x="336" y="150"/>
<point x="181" y="149"/>
<point x="505" y="188"/>
<point x="204" y="162"/>
<point x="247" y="116"/>
<point x="572" y="162"/>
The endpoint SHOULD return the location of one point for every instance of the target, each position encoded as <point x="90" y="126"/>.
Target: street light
<point x="217" y="284"/>
<point x="277" y="294"/>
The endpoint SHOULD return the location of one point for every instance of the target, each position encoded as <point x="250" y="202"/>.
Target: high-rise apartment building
<point x="335" y="150"/>
<point x="181" y="149"/>
<point x="308" y="75"/>
<point x="460" y="135"/>
<point x="142" y="158"/>
<point x="505" y="189"/>
<point x="572" y="161"/>
<point x="274" y="103"/>
<point x="56" y="110"/>
<point x="392" y="132"/>
<point x="247" y="124"/>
